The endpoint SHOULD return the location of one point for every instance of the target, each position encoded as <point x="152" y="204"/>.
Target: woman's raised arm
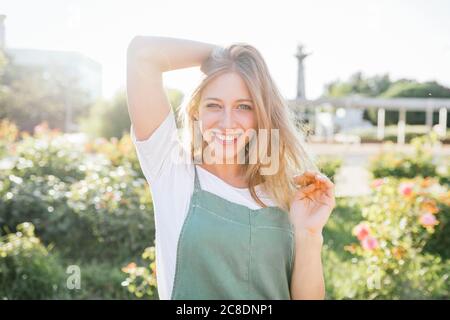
<point x="147" y="58"/>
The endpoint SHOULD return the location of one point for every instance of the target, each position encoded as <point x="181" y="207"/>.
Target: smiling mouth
<point x="225" y="139"/>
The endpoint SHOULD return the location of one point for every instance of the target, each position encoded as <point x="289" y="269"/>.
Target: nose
<point x="227" y="121"/>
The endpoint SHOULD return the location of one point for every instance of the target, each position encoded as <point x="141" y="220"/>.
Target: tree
<point x="381" y="86"/>
<point x="414" y="89"/>
<point x="110" y="118"/>
<point x="358" y="84"/>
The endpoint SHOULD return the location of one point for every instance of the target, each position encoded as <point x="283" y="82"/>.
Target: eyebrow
<point x="238" y="100"/>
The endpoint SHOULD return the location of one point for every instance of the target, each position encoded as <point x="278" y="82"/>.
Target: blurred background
<point x="368" y="83"/>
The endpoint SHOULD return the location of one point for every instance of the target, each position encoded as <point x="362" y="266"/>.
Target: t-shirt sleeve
<point x="156" y="152"/>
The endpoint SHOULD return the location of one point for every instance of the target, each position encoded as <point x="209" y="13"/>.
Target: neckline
<point x="226" y="183"/>
<point x="228" y="202"/>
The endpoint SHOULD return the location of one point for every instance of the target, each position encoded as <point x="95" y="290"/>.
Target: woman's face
<point x="226" y="111"/>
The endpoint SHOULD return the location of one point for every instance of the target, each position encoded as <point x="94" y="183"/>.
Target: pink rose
<point x="377" y="182"/>
<point x="369" y="243"/>
<point x="406" y="188"/>
<point x="361" y="231"/>
<point x="428" y="220"/>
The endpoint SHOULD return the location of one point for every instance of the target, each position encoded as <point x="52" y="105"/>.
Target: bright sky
<point x="406" y="38"/>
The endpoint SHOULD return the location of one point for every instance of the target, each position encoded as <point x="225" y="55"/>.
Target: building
<point x="73" y="64"/>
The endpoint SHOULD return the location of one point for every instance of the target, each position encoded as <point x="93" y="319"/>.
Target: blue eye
<point x="241" y="106"/>
<point x="247" y="107"/>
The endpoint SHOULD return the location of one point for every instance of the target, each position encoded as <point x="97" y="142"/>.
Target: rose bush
<point x="396" y="164"/>
<point x="391" y="261"/>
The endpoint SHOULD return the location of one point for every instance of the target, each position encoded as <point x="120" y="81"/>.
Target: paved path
<point x="353" y="178"/>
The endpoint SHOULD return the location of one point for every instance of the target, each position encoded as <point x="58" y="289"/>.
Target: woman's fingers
<point x="308" y="189"/>
<point x="329" y="190"/>
<point x="304" y="179"/>
<point x="325" y="180"/>
<point x="329" y="186"/>
<point x="310" y="182"/>
<point x="302" y="196"/>
<point x="309" y="177"/>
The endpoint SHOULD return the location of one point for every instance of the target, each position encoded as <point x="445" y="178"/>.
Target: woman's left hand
<point x="312" y="203"/>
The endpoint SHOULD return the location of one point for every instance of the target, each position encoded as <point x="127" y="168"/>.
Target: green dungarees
<point x="228" y="251"/>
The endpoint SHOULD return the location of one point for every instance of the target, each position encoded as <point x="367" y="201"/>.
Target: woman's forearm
<point x="307" y="278"/>
<point x="169" y="53"/>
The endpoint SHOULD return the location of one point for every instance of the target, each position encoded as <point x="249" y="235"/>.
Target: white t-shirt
<point x="170" y="175"/>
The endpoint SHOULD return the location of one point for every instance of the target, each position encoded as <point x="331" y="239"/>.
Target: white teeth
<point x="227" y="138"/>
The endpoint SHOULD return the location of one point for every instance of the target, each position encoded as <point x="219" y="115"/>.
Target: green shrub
<point x="40" y="200"/>
<point x="8" y="135"/>
<point x="397" y="164"/>
<point x="117" y="210"/>
<point x="443" y="172"/>
<point x="400" y="218"/>
<point x="425" y="277"/>
<point x="100" y="281"/>
<point x="120" y="152"/>
<point x="90" y="202"/>
<point x="27" y="269"/>
<point x="48" y="153"/>
<point x="107" y="215"/>
<point x="439" y="243"/>
<point x="329" y="166"/>
<point x="141" y="281"/>
<point x="338" y="230"/>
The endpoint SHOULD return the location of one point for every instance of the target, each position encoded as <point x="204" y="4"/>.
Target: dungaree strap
<point x="196" y="181"/>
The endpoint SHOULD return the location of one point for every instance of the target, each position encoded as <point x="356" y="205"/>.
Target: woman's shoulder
<point x="162" y="153"/>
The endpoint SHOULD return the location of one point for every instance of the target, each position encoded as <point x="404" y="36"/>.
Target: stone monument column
<point x="301" y="55"/>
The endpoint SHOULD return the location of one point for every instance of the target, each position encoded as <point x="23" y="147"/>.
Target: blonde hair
<point x="271" y="111"/>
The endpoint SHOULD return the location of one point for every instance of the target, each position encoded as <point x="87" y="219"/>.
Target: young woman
<point x="226" y="229"/>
